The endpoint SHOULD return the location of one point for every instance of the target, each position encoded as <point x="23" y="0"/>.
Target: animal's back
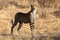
<point x="22" y="17"/>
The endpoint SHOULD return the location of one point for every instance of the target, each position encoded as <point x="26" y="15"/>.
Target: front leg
<point x="31" y="26"/>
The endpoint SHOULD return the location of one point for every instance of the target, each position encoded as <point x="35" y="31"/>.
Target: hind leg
<point x="15" y="23"/>
<point x="20" y="25"/>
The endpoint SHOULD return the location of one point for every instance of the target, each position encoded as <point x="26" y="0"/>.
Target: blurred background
<point x="47" y="22"/>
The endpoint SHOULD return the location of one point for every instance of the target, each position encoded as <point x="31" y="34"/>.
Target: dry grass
<point x="47" y="23"/>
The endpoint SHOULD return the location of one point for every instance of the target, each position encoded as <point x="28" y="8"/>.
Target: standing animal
<point x="24" y="18"/>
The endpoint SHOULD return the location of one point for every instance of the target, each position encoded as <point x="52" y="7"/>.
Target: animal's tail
<point x="12" y="22"/>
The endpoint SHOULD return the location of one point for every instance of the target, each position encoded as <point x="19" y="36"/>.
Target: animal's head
<point x="33" y="12"/>
<point x="32" y="8"/>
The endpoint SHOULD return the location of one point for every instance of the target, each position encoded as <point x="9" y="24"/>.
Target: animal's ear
<point x="32" y="6"/>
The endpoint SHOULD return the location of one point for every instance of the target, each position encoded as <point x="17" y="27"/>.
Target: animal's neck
<point x="34" y="11"/>
<point x="31" y="10"/>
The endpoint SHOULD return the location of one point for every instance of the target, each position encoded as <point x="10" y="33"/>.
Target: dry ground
<point x="47" y="22"/>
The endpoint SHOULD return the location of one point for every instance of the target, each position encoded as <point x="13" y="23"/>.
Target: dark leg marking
<point x="20" y="25"/>
<point x="31" y="26"/>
